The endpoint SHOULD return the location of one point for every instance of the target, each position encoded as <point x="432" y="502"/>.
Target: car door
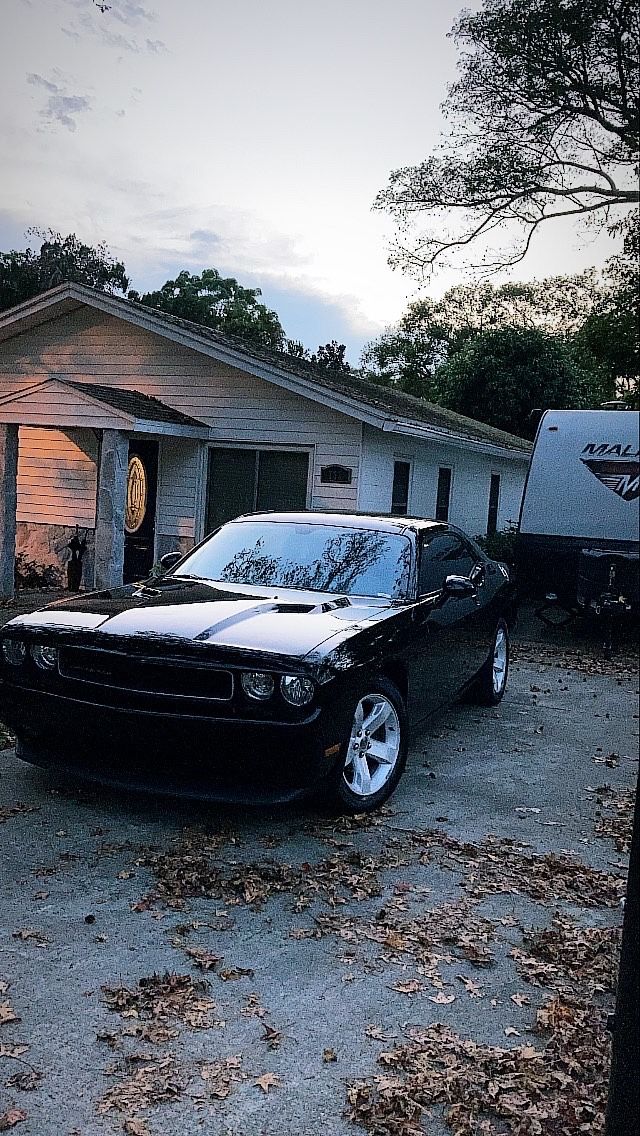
<point x="447" y="626"/>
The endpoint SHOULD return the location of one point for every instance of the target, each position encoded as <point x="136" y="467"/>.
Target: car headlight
<point x="44" y="657"/>
<point x="14" y="651"/>
<point x="296" y="689"/>
<point x="258" y="684"/>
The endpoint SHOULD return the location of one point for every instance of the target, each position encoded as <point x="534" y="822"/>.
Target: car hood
<point x="278" y="621"/>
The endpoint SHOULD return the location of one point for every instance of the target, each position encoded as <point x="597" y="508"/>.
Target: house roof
<point x="94" y="405"/>
<point x="132" y="402"/>
<point x="388" y="409"/>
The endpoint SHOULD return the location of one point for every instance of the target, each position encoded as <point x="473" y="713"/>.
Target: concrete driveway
<point x="174" y="968"/>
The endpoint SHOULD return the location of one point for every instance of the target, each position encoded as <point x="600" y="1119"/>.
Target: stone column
<point x="112" y="493"/>
<point x="8" y="499"/>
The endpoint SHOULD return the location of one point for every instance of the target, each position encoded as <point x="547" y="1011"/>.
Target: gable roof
<point x="386" y="408"/>
<point x="92" y="404"/>
<point x="132" y="402"/>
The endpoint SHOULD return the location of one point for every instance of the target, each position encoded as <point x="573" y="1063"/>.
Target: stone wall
<point x="43" y="548"/>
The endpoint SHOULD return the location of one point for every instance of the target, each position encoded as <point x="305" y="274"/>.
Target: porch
<point x="112" y="491"/>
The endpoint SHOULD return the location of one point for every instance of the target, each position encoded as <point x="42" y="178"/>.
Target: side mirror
<point x="169" y="560"/>
<point x="459" y="587"/>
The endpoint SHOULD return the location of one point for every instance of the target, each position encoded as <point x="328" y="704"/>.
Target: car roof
<point x="385" y="523"/>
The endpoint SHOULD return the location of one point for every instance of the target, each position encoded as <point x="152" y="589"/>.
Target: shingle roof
<point x="132" y="402"/>
<point x="351" y="384"/>
<point x="384" y="401"/>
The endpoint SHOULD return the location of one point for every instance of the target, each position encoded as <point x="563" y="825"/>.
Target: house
<point x="147" y="431"/>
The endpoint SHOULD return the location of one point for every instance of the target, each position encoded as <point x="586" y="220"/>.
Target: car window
<point x="313" y="557"/>
<point x="443" y="554"/>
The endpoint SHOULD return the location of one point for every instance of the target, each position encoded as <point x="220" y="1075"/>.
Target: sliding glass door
<point x="240" y="481"/>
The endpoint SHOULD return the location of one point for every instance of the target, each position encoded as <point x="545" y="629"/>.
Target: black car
<point x="287" y="653"/>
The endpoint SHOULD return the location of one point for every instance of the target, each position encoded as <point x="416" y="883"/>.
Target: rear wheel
<point x="492" y="680"/>
<point x="374" y="755"/>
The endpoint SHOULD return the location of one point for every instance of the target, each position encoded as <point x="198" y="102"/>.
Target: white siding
<point x="87" y="346"/>
<point x="469" y="502"/>
<point x="57" y="476"/>
<point x="177" y="487"/>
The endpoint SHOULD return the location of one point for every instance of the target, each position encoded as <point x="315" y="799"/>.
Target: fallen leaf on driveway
<point x="267" y="1081"/>
<point x="203" y="958"/>
<point x="442" y="999"/>
<point x="13" y="1050"/>
<point x="329" y="1055"/>
<point x="11" y="1118"/>
<point x="511" y="1031"/>
<point x="471" y="987"/>
<point x="521" y="999"/>
<point x="30" y="933"/>
<point x="271" y="1035"/>
<point x="26" y="1080"/>
<point x="410" y="987"/>
<point x="7" y="1013"/>
<point x="135" y="1127"/>
<point x="234" y="973"/>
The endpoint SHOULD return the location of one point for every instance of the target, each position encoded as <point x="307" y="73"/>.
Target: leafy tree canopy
<point x="330" y="356"/>
<point x="218" y="302"/>
<point x="59" y="259"/>
<point x="610" y="334"/>
<point x="409" y="355"/>
<point x="542" y="123"/>
<point x="501" y="376"/>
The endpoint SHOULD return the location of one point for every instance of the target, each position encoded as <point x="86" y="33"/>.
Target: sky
<point x="244" y="135"/>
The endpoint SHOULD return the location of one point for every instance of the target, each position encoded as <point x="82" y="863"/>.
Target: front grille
<point x="179" y="678"/>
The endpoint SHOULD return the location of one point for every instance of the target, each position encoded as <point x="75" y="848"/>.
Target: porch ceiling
<point x="61" y="403"/>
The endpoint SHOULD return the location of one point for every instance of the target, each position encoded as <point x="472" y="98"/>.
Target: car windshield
<point x="313" y="557"/>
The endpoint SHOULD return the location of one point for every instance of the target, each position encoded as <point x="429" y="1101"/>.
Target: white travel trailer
<point x="579" y="518"/>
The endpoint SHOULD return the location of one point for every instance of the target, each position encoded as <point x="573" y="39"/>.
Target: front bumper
<point x="225" y="759"/>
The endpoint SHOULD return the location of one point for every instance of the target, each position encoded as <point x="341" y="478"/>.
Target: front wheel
<point x="374" y="755"/>
<point x="492" y="680"/>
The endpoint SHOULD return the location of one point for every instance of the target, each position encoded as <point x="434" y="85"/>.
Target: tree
<point x="59" y="259"/>
<point x="501" y="376"/>
<point x="220" y="303"/>
<point x="329" y="356"/>
<point x="610" y="334"/>
<point x="543" y="124"/>
<point x="431" y="332"/>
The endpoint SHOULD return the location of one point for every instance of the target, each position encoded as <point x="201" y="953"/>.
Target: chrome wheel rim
<point x="500" y="661"/>
<point x="374" y="745"/>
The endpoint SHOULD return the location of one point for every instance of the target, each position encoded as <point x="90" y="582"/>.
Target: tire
<point x="362" y="782"/>
<point x="489" y="688"/>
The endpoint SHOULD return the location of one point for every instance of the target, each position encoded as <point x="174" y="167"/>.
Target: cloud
<point x="40" y="81"/>
<point x="60" y="107"/>
<point x="91" y="22"/>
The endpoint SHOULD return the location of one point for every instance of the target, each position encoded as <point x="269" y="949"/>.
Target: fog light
<point x="45" y="657"/>
<point x="297" y="690"/>
<point x="258" y="684"/>
<point x="14" y="651"/>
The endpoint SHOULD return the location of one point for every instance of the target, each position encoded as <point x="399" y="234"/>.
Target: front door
<point x="140" y="510"/>
<point x="241" y="481"/>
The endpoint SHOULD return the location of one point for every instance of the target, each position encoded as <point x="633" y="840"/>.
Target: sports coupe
<point x="288" y="653"/>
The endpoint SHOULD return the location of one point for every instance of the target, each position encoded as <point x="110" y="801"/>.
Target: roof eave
<point x="439" y="434"/>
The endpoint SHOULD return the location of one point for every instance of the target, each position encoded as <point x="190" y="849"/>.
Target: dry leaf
<point x="412" y="986"/>
<point x="329" y="1055"/>
<point x="11" y="1118"/>
<point x="267" y="1081"/>
<point x="136" y="1127"/>
<point x="13" y="1050"/>
<point x="521" y="999"/>
<point x="511" y="1031"/>
<point x="30" y="933"/>
<point x="442" y="999"/>
<point x="7" y="1013"/>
